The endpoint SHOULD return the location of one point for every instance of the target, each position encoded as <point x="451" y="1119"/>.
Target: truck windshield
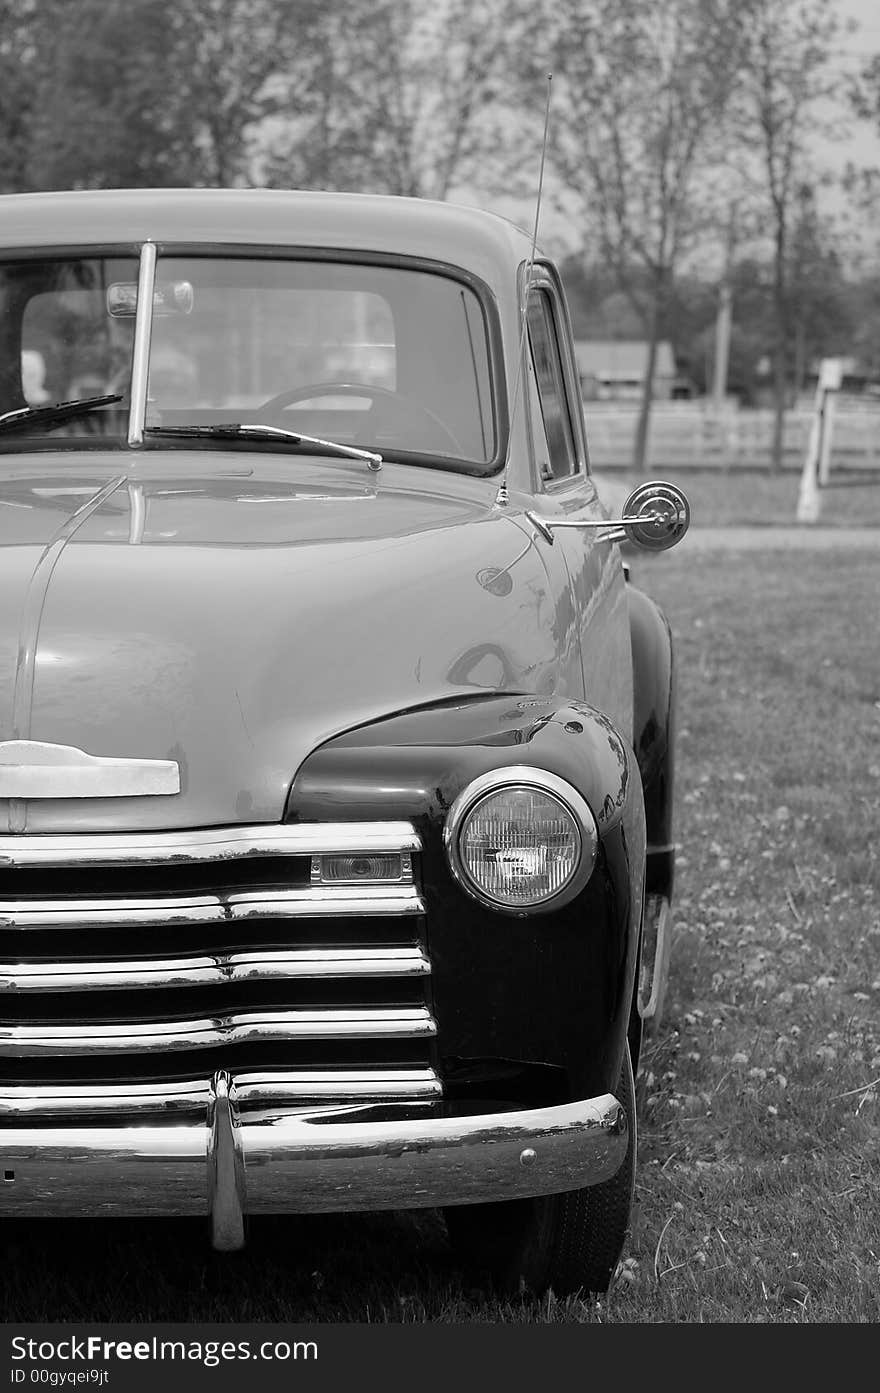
<point x="383" y="358"/>
<point x="379" y="357"/>
<point x="59" y="344"/>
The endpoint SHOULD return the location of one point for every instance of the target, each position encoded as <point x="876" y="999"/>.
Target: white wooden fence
<point x="683" y="434"/>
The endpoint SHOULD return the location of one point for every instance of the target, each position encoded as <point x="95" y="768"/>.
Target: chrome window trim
<point x="545" y="278"/>
<point x="143" y="328"/>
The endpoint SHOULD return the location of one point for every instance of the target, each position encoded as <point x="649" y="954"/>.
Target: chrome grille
<point x="228" y="952"/>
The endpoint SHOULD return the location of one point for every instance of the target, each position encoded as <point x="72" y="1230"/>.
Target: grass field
<point x="720" y="498"/>
<point x="760" y="1141"/>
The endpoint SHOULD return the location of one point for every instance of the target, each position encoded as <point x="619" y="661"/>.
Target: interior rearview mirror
<point x="174" y="297"/>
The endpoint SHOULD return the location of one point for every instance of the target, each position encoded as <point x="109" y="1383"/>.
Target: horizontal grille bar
<point x="312" y="902"/>
<point x="252" y="1090"/>
<point x="123" y="1037"/>
<point x="134" y="965"/>
<point x="211" y="844"/>
<point x="215" y="969"/>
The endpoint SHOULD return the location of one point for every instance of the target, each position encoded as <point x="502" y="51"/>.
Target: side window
<point x="540" y="443"/>
<point x="563" y="459"/>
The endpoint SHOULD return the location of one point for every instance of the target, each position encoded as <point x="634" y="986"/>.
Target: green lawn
<point x="760" y="1143"/>
<point x="721" y="498"/>
<point x="762" y="1139"/>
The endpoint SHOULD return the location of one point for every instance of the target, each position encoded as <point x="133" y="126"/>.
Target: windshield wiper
<point x="233" y="430"/>
<point x="56" y="411"/>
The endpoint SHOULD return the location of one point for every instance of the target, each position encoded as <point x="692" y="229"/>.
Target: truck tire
<point x="566" y="1243"/>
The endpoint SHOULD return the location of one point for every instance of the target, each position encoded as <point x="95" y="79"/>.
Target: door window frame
<point x="544" y="282"/>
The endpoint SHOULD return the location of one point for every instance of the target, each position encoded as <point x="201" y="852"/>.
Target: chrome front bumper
<point x="308" y="1161"/>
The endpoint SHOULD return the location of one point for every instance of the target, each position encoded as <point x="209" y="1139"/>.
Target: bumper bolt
<point x="528" y="1157"/>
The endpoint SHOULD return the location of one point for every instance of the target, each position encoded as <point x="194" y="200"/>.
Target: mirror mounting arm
<point x="617" y="526"/>
<point x="655" y="516"/>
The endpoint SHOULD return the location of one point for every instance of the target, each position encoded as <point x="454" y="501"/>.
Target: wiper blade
<point x="55" y="411"/>
<point x="235" y="430"/>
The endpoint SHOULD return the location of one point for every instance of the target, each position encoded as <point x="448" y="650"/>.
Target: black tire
<point x="569" y="1242"/>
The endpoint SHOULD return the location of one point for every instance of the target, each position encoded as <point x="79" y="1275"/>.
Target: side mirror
<point x="655" y="516"/>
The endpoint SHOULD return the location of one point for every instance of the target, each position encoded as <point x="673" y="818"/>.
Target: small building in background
<point x="614" y="370"/>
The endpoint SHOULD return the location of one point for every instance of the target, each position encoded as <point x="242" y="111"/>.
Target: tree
<point x="241" y="62"/>
<point x="864" y="341"/>
<point x="18" y="86"/>
<point x="865" y="91"/>
<point x="820" y="319"/>
<point x="860" y="182"/>
<point x="106" y="113"/>
<point x="399" y="96"/>
<point x="787" y="72"/>
<point x="641" y="88"/>
<point x="116" y="93"/>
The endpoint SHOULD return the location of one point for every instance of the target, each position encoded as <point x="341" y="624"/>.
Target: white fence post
<point x="817" y="461"/>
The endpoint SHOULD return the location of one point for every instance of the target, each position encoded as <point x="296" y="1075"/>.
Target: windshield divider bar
<point x="143" y="328"/>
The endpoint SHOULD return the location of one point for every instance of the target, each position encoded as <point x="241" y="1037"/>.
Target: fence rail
<point x="683" y="435"/>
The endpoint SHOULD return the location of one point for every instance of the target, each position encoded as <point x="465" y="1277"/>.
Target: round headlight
<point x="521" y="840"/>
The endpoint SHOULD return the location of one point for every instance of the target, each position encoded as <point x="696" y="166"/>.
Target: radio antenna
<point x="502" y="496"/>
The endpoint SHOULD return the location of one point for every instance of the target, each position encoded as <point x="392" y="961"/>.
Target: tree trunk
<point x="640" y="450"/>
<point x="722" y="347"/>
<point x="779" y="351"/>
<point x="778" y="408"/>
<point x="800" y="359"/>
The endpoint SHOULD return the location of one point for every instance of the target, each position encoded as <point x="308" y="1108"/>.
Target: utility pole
<point x="722" y="346"/>
<point x="723" y="321"/>
<point x="724" y="317"/>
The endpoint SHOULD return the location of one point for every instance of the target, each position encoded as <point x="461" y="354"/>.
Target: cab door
<point x="562" y="482"/>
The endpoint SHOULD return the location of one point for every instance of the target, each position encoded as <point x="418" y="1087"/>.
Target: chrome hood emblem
<point x="35" y="769"/>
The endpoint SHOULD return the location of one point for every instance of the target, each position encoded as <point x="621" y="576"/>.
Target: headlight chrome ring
<point x="521" y="840"/>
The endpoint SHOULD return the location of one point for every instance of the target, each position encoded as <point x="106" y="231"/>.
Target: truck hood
<point x="232" y="612"/>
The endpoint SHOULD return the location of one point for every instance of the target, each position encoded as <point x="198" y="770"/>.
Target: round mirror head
<point x="656" y="515"/>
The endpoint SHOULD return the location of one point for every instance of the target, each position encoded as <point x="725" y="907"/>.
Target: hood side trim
<point x="29" y="629"/>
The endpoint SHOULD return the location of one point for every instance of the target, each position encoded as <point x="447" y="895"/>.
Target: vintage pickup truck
<point x="335" y="746"/>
